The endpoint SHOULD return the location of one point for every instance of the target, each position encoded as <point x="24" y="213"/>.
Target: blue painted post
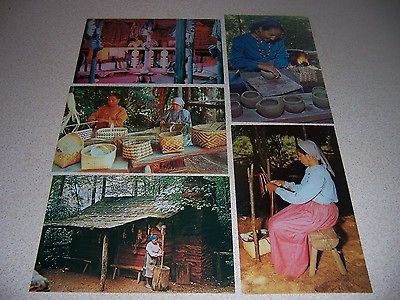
<point x="180" y="51"/>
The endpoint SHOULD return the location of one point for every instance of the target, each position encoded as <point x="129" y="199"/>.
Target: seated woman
<point x="178" y="115"/>
<point x="312" y="207"/>
<point x="260" y="49"/>
<point x="111" y="114"/>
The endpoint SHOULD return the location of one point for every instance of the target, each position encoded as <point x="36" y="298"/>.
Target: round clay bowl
<point x="236" y="109"/>
<point x="235" y="97"/>
<point x="270" y="107"/>
<point x="293" y="104"/>
<point x="320" y="98"/>
<point x="268" y="75"/>
<point x="249" y="99"/>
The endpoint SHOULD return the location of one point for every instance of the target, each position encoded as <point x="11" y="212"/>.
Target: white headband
<point x="179" y="101"/>
<point x="313" y="150"/>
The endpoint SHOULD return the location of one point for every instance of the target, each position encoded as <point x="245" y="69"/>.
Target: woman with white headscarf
<point x="312" y="207"/>
<point x="178" y="115"/>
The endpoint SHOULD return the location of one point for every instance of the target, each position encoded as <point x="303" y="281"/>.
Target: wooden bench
<point x="78" y="259"/>
<point x="118" y="267"/>
<point x="322" y="240"/>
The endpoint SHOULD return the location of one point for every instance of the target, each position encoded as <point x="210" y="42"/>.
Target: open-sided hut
<point x="113" y="232"/>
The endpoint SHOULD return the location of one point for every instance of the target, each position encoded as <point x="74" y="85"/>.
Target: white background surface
<point x="358" y="46"/>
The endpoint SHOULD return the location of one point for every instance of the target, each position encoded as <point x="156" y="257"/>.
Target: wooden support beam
<point x="250" y="176"/>
<point x="104" y="260"/>
<point x="180" y="51"/>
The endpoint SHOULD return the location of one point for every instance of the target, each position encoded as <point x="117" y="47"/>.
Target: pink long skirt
<point x="288" y="232"/>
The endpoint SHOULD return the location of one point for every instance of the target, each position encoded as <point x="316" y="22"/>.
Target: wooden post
<point x="271" y="194"/>
<point x="190" y="31"/>
<point x="250" y="175"/>
<point x="163" y="227"/>
<point x="104" y="260"/>
<point x="180" y="51"/>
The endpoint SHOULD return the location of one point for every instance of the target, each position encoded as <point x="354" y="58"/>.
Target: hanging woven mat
<point x="136" y="149"/>
<point x="209" y="135"/>
<point x="171" y="142"/>
<point x="68" y="151"/>
<point x="110" y="133"/>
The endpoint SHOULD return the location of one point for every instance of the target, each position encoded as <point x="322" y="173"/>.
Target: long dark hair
<point x="265" y="24"/>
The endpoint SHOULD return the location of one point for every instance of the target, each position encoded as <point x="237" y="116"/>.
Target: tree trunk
<point x="104" y="260"/>
<point x="94" y="187"/>
<point x="103" y="188"/>
<point x="183" y="273"/>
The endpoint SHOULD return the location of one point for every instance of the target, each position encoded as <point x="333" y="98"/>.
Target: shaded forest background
<point x="144" y="105"/>
<point x="277" y="145"/>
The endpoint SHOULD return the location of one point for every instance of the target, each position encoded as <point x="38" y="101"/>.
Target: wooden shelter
<point x="113" y="233"/>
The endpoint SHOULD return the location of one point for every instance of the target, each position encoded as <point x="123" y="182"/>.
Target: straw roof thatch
<point x="114" y="212"/>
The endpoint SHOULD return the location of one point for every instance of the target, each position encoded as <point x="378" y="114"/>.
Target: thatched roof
<point x="114" y="212"/>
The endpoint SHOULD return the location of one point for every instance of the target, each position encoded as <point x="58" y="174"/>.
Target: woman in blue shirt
<point x="312" y="207"/>
<point x="260" y="49"/>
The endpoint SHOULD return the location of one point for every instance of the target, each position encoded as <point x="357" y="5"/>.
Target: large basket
<point x="209" y="135"/>
<point x="98" y="156"/>
<point x="110" y="133"/>
<point x="136" y="149"/>
<point x="306" y="74"/>
<point x="68" y="151"/>
<point x="171" y="142"/>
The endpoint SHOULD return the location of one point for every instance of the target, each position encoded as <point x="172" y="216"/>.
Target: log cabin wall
<point x="193" y="242"/>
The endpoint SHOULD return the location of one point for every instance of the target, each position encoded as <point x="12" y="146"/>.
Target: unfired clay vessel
<point x="270" y="107"/>
<point x="236" y="109"/>
<point x="235" y="97"/>
<point x="294" y="104"/>
<point x="320" y="98"/>
<point x="249" y="99"/>
<point x="268" y="75"/>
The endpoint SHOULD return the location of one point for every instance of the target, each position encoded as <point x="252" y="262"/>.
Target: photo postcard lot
<point x="141" y="193"/>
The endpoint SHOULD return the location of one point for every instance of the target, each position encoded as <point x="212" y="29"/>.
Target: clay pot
<point x="320" y="98"/>
<point x="270" y="107"/>
<point x="235" y="97"/>
<point x="236" y="109"/>
<point x="268" y="75"/>
<point x="293" y="104"/>
<point x="250" y="98"/>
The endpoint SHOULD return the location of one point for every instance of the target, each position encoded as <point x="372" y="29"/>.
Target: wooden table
<point x="192" y="160"/>
<point x="311" y="114"/>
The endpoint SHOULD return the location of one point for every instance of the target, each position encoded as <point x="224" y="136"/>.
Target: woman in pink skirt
<point x="312" y="207"/>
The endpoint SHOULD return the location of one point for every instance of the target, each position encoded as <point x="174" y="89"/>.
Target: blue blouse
<point x="181" y="117"/>
<point x="247" y="52"/>
<point x="317" y="185"/>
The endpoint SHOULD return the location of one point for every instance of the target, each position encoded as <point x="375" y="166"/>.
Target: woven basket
<point x="98" y="156"/>
<point x="306" y="74"/>
<point x="110" y="133"/>
<point x="208" y="135"/>
<point x="171" y="142"/>
<point x="68" y="151"/>
<point x="136" y="149"/>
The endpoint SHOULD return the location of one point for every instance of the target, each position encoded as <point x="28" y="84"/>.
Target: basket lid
<point x="70" y="143"/>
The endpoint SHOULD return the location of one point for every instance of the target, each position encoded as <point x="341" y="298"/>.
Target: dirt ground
<point x="68" y="281"/>
<point x="260" y="278"/>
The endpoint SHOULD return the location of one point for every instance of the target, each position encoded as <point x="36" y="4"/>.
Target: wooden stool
<point x="322" y="240"/>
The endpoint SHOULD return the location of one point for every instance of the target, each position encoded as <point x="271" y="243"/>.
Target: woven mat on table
<point x="273" y="87"/>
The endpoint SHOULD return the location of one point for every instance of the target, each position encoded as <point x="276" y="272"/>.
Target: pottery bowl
<point x="236" y="109"/>
<point x="293" y="104"/>
<point x="320" y="97"/>
<point x="270" y="107"/>
<point x="249" y="99"/>
<point x="234" y="96"/>
<point x="268" y="75"/>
